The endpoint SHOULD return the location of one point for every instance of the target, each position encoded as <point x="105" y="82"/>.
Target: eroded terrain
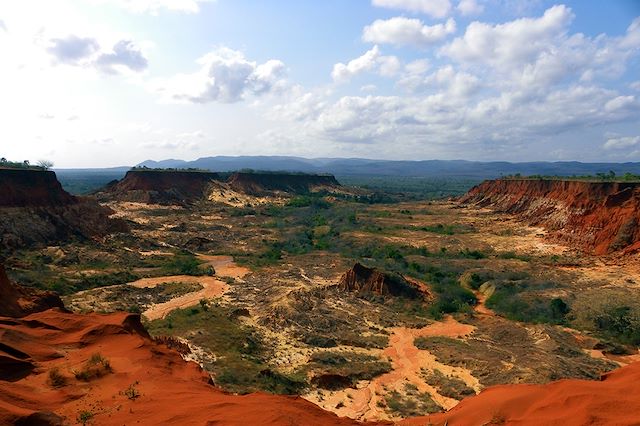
<point x="505" y="304"/>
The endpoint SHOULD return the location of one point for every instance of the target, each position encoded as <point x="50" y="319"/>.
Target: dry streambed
<point x="368" y="400"/>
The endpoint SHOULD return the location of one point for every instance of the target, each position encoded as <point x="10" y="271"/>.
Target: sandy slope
<point x="172" y="391"/>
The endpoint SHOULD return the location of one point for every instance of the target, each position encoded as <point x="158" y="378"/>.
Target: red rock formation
<point x="35" y="209"/>
<point x="171" y="390"/>
<point x="258" y="184"/>
<point x="361" y="279"/>
<point x="17" y="301"/>
<point x="160" y="186"/>
<point x="32" y="188"/>
<point x="598" y="217"/>
<point x="613" y="401"/>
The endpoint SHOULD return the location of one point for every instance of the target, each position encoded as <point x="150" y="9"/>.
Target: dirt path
<point x="224" y="266"/>
<point x="407" y="362"/>
<point x="211" y="288"/>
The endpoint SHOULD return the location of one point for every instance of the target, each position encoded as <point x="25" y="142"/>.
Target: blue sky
<point x="98" y="83"/>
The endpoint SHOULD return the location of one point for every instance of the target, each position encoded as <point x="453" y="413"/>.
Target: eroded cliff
<point x="597" y="217"/>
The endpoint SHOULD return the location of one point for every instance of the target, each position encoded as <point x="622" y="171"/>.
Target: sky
<point x="101" y="83"/>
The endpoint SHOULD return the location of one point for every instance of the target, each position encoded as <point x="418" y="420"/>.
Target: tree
<point x="45" y="164"/>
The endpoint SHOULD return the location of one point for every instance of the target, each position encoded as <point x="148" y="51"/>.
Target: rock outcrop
<point x="362" y="280"/>
<point x="597" y="217"/>
<point x="32" y="188"/>
<point x="261" y="184"/>
<point x="17" y="301"/>
<point x="35" y="209"/>
<point x="177" y="187"/>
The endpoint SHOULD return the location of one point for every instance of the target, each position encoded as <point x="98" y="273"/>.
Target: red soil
<point x="172" y="391"/>
<point x="32" y="188"/>
<point x="613" y="401"/>
<point x="162" y="187"/>
<point x="266" y="183"/>
<point x="598" y="217"/>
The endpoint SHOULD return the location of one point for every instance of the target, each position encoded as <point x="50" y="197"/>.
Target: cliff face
<point x="35" y="209"/>
<point x="160" y="187"/>
<point x="258" y="184"/>
<point x="28" y="188"/>
<point x="597" y="217"/>
<point x="361" y="279"/>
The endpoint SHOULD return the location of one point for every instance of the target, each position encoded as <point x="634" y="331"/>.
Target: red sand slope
<point x="613" y="401"/>
<point x="172" y="391"/>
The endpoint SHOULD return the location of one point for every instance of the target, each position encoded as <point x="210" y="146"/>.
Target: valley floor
<point x="252" y="291"/>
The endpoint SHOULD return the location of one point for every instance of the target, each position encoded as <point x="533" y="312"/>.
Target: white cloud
<point x="456" y="83"/>
<point x="155" y="6"/>
<point x="370" y="61"/>
<point x="3" y="26"/>
<point x="535" y="54"/>
<point x="619" y="103"/>
<point x="512" y="43"/>
<point x="402" y="31"/>
<point x="125" y="54"/>
<point x="622" y="142"/>
<point x="635" y="85"/>
<point x="433" y="8"/>
<point x="470" y="7"/>
<point x="225" y="76"/>
<point x="86" y="52"/>
<point x="72" y="49"/>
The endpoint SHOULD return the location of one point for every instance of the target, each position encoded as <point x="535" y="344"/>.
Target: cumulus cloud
<point x="125" y="54"/>
<point x="622" y="142"/>
<point x="433" y="8"/>
<point x="470" y="7"/>
<point x="512" y="43"/>
<point x="402" y="31"/>
<point x="456" y="83"/>
<point x="370" y="61"/>
<point x="72" y="49"/>
<point x="155" y="6"/>
<point x="226" y="76"/>
<point x="87" y="52"/>
<point x="537" y="53"/>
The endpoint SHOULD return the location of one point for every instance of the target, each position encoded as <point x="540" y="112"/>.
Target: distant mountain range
<point x="426" y="168"/>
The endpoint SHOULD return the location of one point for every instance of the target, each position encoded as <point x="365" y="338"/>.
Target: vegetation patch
<point x="412" y="403"/>
<point x="449" y="386"/>
<point x="510" y="300"/>
<point x="353" y="366"/>
<point x="97" y="366"/>
<point x="237" y="353"/>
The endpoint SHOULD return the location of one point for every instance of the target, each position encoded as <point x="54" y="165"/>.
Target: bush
<point x="56" y="379"/>
<point x="97" y="366"/>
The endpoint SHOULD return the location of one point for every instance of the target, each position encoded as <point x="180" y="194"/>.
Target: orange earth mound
<point x="615" y="400"/>
<point x="171" y="390"/>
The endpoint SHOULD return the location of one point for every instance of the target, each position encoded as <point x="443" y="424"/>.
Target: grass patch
<point x="412" y="403"/>
<point x="239" y="364"/>
<point x="449" y="386"/>
<point x="97" y="366"/>
<point x="57" y="379"/>
<point x="509" y="300"/>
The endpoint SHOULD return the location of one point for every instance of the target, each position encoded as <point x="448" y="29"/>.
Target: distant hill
<point x="426" y="168"/>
